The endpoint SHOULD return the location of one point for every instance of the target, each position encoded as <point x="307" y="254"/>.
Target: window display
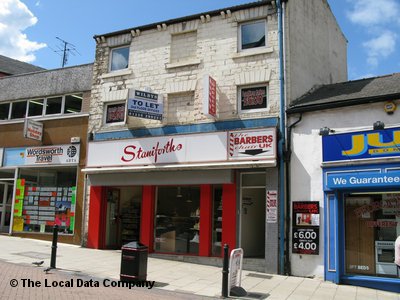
<point x="45" y="198"/>
<point x="372" y="224"/>
<point x="177" y="228"/>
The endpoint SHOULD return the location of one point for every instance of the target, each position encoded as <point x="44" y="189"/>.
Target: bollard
<point x="54" y="247"/>
<point x="225" y="272"/>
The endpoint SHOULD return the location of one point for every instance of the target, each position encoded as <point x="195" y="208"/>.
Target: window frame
<point x="43" y="106"/>
<point x="240" y="43"/>
<point x="75" y="95"/>
<point x="61" y="109"/>
<point x="11" y="110"/>
<point x="44" y="109"/>
<point x="111" y="58"/>
<point x="254" y="110"/>
<point x="106" y="105"/>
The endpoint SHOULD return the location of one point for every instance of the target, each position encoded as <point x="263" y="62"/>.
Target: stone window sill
<point x="253" y="52"/>
<point x="185" y="63"/>
<point x="117" y="73"/>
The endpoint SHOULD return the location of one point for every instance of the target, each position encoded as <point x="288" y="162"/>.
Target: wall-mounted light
<point x="324" y="131"/>
<point x="379" y="125"/>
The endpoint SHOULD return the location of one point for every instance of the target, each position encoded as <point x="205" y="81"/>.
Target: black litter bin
<point x="134" y="262"/>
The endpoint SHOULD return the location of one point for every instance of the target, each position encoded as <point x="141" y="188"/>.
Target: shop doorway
<point x="112" y="217"/>
<point x="6" y="192"/>
<point x="252" y="214"/>
<point x="122" y="216"/>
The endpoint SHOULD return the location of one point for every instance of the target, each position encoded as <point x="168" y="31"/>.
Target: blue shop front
<point x="362" y="207"/>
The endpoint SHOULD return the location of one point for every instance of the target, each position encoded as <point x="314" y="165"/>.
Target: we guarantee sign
<point x="335" y="181"/>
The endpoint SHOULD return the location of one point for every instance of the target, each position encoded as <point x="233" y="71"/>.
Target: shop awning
<point x="211" y="173"/>
<point x="177" y="167"/>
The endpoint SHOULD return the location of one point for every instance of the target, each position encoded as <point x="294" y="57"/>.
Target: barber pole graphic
<point x="231" y="144"/>
<point x="252" y="145"/>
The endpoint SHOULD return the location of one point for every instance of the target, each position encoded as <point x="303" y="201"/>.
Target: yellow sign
<point x="362" y="142"/>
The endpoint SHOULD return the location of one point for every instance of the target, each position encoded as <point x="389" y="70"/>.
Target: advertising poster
<point x="272" y="206"/>
<point x="305" y="233"/>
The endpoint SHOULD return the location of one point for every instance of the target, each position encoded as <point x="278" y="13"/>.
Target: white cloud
<point x="378" y="12"/>
<point x="15" y="17"/>
<point x="381" y="19"/>
<point x="380" y="47"/>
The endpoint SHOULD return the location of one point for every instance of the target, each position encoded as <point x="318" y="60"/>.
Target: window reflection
<point x="177" y="228"/>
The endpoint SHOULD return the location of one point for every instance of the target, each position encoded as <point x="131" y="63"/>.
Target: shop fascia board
<point x="229" y="165"/>
<point x="365" y="161"/>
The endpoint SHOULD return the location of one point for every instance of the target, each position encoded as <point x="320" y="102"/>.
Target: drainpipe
<point x="288" y="269"/>
<point x="281" y="144"/>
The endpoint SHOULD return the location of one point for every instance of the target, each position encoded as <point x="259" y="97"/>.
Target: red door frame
<point x="206" y="214"/>
<point x="229" y="216"/>
<point x="147" y="216"/>
<point x="96" y="222"/>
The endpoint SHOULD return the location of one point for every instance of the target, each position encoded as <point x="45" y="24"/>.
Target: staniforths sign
<point x="252" y="144"/>
<point x="177" y="149"/>
<point x="158" y="150"/>
<point x="145" y="105"/>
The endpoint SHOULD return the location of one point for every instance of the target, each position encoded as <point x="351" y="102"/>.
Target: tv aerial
<point x="65" y="48"/>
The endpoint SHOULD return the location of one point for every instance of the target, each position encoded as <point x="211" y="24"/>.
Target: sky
<point x="34" y="30"/>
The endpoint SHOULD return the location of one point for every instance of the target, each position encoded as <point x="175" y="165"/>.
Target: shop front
<point x="38" y="189"/>
<point x="194" y="192"/>
<point x="362" y="207"/>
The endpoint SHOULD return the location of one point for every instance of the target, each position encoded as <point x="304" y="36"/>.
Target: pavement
<point x="182" y="279"/>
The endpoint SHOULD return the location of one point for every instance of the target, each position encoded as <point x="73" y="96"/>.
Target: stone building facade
<point x="230" y="161"/>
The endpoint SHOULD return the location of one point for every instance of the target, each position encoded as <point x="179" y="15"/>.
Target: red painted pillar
<point x="95" y="230"/>
<point x="229" y="216"/>
<point x="147" y="217"/>
<point x="205" y="220"/>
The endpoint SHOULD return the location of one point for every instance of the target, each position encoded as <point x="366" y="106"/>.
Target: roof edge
<point x="343" y="103"/>
<point x="186" y="18"/>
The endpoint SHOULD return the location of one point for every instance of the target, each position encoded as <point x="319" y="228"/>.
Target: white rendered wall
<point x="306" y="171"/>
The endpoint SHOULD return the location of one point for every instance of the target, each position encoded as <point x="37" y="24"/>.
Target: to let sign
<point x="145" y="105"/>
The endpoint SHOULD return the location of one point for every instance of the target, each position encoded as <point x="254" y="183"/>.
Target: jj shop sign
<point x="361" y="145"/>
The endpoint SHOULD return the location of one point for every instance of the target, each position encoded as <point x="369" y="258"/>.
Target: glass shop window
<point x="35" y="107"/>
<point x="53" y="105"/>
<point x="4" y="111"/>
<point x="18" y="110"/>
<point x="252" y="34"/>
<point x="45" y="198"/>
<point x="114" y="113"/>
<point x="73" y="103"/>
<point x="177" y="222"/>
<point x="119" y="58"/>
<point x="372" y="224"/>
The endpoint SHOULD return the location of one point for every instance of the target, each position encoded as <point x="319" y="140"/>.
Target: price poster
<point x="305" y="239"/>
